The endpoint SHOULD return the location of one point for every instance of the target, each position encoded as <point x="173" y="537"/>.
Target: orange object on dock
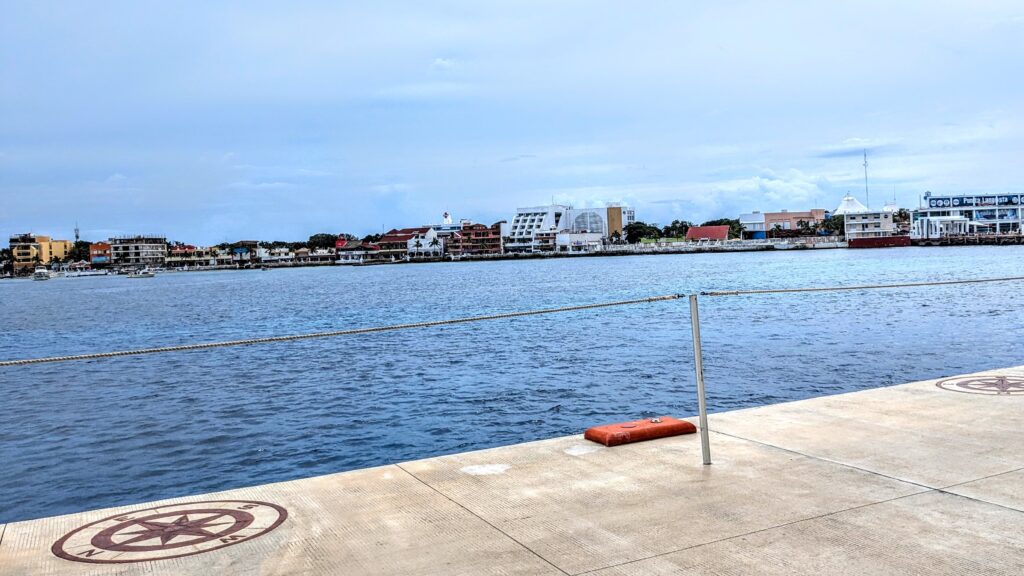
<point x="638" y="430"/>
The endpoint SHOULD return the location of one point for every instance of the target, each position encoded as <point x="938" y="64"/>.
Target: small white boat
<point x="144" y="273"/>
<point x="41" y="273"/>
<point x="84" y="273"/>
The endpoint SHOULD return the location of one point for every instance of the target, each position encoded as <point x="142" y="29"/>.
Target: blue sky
<point x="213" y="123"/>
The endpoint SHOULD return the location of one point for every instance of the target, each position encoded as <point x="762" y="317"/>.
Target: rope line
<point x="269" y="339"/>
<point x="429" y="324"/>
<point x="861" y="287"/>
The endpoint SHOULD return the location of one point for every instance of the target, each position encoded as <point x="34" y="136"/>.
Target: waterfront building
<point x="400" y="243"/>
<point x="355" y="251"/>
<point x="529" y="221"/>
<point x="475" y="238"/>
<point x="753" y="226"/>
<point x="946" y="215"/>
<point x="700" y="233"/>
<point x="99" y="254"/>
<point x="535" y="228"/>
<point x="579" y="241"/>
<point x="786" y="220"/>
<point x="608" y="221"/>
<point x="869" y="228"/>
<point x="280" y="255"/>
<point x="28" y="250"/>
<point x="245" y="253"/>
<point x="425" y="243"/>
<point x="317" y="256"/>
<point x="758" y="225"/>
<point x="188" y="256"/>
<point x="446" y="232"/>
<point x="138" y="251"/>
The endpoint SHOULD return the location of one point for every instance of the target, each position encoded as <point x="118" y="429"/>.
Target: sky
<point x="210" y="122"/>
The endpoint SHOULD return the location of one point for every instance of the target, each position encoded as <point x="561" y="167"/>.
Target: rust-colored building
<point x="476" y="239"/>
<point x="99" y="254"/>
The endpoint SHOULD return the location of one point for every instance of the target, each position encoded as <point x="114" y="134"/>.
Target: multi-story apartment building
<point x="474" y="238"/>
<point x="188" y="256"/>
<point x="30" y="250"/>
<point x="138" y="251"/>
<point x="532" y="228"/>
<point x="99" y="254"/>
<point x="530" y="221"/>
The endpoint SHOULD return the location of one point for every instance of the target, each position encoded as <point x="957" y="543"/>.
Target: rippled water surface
<point x="77" y="436"/>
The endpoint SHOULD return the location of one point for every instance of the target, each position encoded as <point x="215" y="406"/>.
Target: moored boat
<point x="143" y="273"/>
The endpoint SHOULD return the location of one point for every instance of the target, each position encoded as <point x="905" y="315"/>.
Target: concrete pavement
<point x="910" y="479"/>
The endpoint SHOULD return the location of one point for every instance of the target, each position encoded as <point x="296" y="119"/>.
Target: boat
<point x="41" y="273"/>
<point x="143" y="273"/>
<point x="84" y="273"/>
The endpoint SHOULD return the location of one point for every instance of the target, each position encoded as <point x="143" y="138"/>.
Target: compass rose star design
<point x="167" y="531"/>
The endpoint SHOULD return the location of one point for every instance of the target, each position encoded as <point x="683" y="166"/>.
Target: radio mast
<point x="867" y="195"/>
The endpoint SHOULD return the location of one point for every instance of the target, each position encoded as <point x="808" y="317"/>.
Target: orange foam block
<point x="638" y="430"/>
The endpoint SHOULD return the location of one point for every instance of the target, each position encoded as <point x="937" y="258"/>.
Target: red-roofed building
<point x="398" y="243"/>
<point x="355" y="252"/>
<point x="708" y="233"/>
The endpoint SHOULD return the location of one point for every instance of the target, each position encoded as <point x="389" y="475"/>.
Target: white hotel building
<point x="968" y="214"/>
<point x="564" y="228"/>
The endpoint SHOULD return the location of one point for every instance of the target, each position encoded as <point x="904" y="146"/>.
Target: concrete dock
<point x="921" y="478"/>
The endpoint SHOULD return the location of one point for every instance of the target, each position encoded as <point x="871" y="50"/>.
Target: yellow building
<point x="30" y="250"/>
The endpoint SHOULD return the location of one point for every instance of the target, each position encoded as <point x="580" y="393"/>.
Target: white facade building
<point x="531" y="220"/>
<point x="863" y="222"/>
<point x="972" y="214"/>
<point x="753" y="225"/>
<point x="425" y="243"/>
<point x="534" y="228"/>
<point x="138" y="251"/>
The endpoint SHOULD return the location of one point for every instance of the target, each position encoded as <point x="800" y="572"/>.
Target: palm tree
<point x="434" y="243"/>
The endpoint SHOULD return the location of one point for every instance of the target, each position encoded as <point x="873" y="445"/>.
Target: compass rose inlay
<point x="989" y="385"/>
<point x="169" y="531"/>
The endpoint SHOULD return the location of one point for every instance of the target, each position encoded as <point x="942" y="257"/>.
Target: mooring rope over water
<point x="268" y="339"/>
<point x="861" y="287"/>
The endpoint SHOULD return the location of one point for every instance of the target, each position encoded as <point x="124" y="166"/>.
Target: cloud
<point x="387" y="114"/>
<point x="443" y="64"/>
<point x="248" y="185"/>
<point x="517" y="158"/>
<point x="590" y="169"/>
<point x="852" y="147"/>
<point x="282" y="171"/>
<point x="427" y="91"/>
<point x="391" y="188"/>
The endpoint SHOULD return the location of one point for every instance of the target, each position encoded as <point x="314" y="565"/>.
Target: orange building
<point x="787" y="220"/>
<point x="99" y="254"/>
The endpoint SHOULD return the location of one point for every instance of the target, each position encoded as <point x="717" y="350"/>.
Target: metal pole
<point x="698" y="367"/>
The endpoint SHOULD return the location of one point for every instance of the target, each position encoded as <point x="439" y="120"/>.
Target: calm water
<point x="79" y="436"/>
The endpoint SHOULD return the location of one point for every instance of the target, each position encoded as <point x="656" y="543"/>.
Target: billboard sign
<point x="974" y="201"/>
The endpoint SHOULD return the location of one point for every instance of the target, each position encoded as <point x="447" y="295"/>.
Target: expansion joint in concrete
<point x="753" y="532"/>
<point x="484" y="520"/>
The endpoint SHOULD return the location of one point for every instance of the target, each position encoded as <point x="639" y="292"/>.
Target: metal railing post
<point x="698" y="367"/>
